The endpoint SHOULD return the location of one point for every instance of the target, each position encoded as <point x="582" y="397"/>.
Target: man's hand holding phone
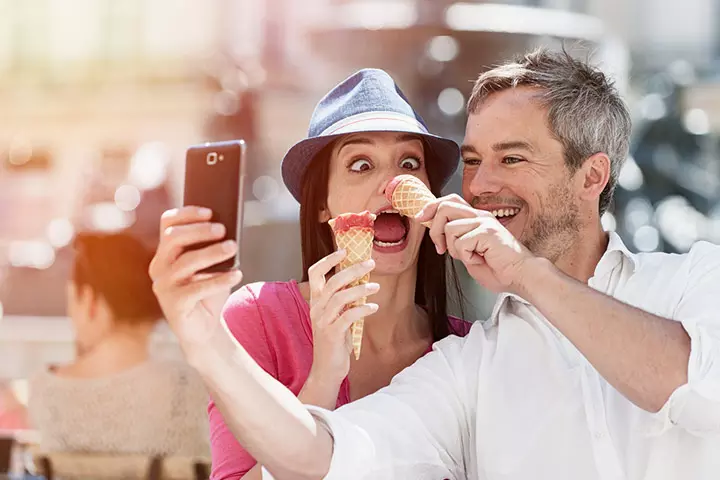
<point x="191" y="300"/>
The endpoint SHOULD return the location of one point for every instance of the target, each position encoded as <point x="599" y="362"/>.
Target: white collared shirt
<point x="515" y="400"/>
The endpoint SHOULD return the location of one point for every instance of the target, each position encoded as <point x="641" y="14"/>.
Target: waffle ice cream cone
<point x="408" y="195"/>
<point x="354" y="233"/>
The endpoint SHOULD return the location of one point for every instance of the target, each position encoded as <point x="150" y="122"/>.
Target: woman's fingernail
<point x="217" y="229"/>
<point x="204" y="212"/>
<point x="228" y="245"/>
<point x="341" y="252"/>
<point x="369" y="263"/>
<point x="373" y="287"/>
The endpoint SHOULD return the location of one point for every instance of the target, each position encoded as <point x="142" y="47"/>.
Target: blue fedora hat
<point x="367" y="101"/>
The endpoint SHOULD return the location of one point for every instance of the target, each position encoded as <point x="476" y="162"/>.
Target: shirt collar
<point x="606" y="264"/>
<point x="616" y="251"/>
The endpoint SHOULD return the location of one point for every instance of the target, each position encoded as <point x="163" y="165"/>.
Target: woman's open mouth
<point x="391" y="231"/>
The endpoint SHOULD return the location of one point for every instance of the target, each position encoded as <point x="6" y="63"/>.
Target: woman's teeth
<point x="506" y="212"/>
<point x="388" y="244"/>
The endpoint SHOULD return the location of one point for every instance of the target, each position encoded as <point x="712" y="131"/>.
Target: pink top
<point x="15" y="419"/>
<point x="272" y="322"/>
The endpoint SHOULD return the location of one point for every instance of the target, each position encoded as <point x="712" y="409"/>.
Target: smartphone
<point x="214" y="177"/>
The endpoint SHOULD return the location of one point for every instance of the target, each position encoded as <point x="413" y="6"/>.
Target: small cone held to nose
<point x="409" y="195"/>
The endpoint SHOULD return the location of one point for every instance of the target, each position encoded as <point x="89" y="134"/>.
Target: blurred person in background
<point x="363" y="133"/>
<point x="115" y="398"/>
<point x="596" y="363"/>
<point x="13" y="414"/>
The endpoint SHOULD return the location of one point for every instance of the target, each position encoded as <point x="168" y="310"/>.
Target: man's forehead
<point x="506" y="118"/>
<point x="519" y="98"/>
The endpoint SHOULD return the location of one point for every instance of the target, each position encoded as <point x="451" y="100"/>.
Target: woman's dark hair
<point x="115" y="266"/>
<point x="433" y="271"/>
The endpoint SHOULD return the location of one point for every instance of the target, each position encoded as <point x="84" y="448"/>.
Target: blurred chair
<point x="6" y="447"/>
<point x="93" y="466"/>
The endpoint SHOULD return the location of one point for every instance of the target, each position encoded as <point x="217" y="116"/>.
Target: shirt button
<point x="599" y="435"/>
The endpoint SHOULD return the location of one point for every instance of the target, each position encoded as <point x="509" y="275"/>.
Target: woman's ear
<point x="324" y="215"/>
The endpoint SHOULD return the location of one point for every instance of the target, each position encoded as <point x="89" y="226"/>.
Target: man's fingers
<point x="456" y="229"/>
<point x="430" y="210"/>
<point x="448" y="211"/>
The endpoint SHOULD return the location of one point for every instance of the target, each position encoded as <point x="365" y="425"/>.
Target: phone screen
<point x="214" y="179"/>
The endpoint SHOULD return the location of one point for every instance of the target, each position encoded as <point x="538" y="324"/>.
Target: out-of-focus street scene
<point x="100" y="100"/>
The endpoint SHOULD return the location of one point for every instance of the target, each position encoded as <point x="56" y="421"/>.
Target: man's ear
<point x="594" y="175"/>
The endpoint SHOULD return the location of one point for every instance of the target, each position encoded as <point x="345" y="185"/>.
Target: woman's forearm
<point x="319" y="393"/>
<point x="265" y="417"/>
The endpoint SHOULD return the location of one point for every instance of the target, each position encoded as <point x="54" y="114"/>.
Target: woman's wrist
<point x="204" y="356"/>
<point x="320" y="390"/>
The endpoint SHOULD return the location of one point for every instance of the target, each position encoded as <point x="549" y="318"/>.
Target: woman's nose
<point x="384" y="183"/>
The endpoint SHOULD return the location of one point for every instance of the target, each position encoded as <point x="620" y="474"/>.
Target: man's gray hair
<point x="585" y="111"/>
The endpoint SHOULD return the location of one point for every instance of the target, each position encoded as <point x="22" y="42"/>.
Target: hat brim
<point x="446" y="152"/>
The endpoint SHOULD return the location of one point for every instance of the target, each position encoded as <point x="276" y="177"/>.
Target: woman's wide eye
<point x="410" y="163"/>
<point x="361" y="165"/>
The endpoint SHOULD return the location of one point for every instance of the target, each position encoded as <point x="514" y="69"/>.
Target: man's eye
<point x="513" y="160"/>
<point x="360" y="165"/>
<point x="410" y="163"/>
<point x="471" y="162"/>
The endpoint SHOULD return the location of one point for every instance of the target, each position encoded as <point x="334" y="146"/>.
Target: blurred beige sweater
<point x="158" y="407"/>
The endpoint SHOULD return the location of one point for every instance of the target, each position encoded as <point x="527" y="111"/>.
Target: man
<point x="595" y="364"/>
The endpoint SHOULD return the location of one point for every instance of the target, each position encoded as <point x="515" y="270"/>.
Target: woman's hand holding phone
<point x="192" y="301"/>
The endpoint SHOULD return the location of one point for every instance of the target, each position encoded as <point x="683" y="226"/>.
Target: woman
<point x="362" y="134"/>
<point x="114" y="398"/>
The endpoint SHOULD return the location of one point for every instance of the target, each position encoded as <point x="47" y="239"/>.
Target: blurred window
<point x="37" y="160"/>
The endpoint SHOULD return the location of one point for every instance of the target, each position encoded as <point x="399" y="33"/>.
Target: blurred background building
<point x="100" y="99"/>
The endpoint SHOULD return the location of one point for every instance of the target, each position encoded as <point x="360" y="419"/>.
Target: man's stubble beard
<point x="556" y="229"/>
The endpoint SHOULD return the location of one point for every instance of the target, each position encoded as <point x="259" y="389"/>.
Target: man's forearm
<point x="642" y="355"/>
<point x="265" y="417"/>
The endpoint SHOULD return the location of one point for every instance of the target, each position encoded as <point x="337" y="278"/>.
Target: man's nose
<point x="484" y="179"/>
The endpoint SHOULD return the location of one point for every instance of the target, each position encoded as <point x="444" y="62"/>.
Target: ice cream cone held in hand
<point x="408" y="195"/>
<point x="354" y="233"/>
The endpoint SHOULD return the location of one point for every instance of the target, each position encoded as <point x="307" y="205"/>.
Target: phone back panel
<point x="214" y="179"/>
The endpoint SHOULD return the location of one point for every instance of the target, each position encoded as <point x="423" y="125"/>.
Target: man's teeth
<point x="505" y="212"/>
<point x="387" y="244"/>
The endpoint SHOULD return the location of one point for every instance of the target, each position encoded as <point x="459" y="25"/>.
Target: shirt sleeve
<point x="417" y="427"/>
<point x="695" y="406"/>
<point x="241" y="313"/>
